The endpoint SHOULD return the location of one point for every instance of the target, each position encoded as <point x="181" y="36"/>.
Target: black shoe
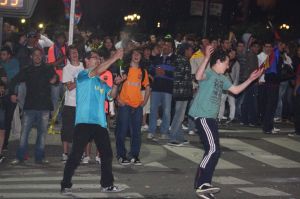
<point x="42" y="162"/>
<point x="206" y="188"/>
<point x="207" y="196"/>
<point x="124" y="161"/>
<point x="136" y="161"/>
<point x="174" y="143"/>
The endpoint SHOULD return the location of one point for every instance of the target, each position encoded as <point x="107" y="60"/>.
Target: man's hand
<point x="256" y="74"/>
<point x="118" y="80"/>
<point x="209" y="50"/>
<point x="13" y="98"/>
<point x="119" y="54"/>
<point x="54" y="79"/>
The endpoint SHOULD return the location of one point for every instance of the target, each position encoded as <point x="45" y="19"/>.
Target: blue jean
<point x="249" y="105"/>
<point x="129" y="118"/>
<point x="163" y="99"/>
<point x="176" y="132"/>
<point x="238" y="105"/>
<point x="30" y="117"/>
<point x="282" y="90"/>
<point x="57" y="91"/>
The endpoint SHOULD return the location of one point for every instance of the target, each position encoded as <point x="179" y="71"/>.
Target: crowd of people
<point x="174" y="83"/>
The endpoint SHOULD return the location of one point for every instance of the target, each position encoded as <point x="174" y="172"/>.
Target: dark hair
<point x="7" y="49"/>
<point x="36" y="49"/>
<point x="2" y="83"/>
<point x="103" y="52"/>
<point x="89" y="54"/>
<point x="170" y="41"/>
<point x="254" y="43"/>
<point x="59" y="34"/>
<point x="71" y="47"/>
<point x="218" y="55"/>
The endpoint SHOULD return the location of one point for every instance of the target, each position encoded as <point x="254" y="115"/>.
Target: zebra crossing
<point x="35" y="182"/>
<point x="257" y="155"/>
<point x="35" y="186"/>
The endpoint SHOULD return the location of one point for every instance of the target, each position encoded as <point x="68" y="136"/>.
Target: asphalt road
<point x="252" y="165"/>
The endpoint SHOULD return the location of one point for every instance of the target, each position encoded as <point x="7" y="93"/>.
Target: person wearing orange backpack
<point x="130" y="110"/>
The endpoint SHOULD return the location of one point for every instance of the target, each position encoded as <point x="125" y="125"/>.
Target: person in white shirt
<point x="70" y="72"/>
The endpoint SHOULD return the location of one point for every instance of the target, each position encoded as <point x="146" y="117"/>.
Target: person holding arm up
<point x="205" y="110"/>
<point x="90" y="121"/>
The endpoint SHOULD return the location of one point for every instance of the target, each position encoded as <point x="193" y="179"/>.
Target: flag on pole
<point x="78" y="13"/>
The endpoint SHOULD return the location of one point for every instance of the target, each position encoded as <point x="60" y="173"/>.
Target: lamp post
<point x="132" y="19"/>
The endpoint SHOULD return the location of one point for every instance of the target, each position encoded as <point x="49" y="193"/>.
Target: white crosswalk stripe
<point x="48" y="187"/>
<point x="195" y="155"/>
<point x="258" y="154"/>
<point x="285" y="143"/>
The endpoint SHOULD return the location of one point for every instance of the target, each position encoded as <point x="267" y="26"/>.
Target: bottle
<point x="120" y="64"/>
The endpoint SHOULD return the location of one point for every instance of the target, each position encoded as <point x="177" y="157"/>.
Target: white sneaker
<point x="64" y="157"/>
<point x="150" y="136"/>
<point x="184" y="127"/>
<point x="191" y="132"/>
<point x="164" y="137"/>
<point x="277" y="119"/>
<point x="159" y="121"/>
<point x="98" y="159"/>
<point x="276" y="129"/>
<point x="145" y="127"/>
<point x="86" y="160"/>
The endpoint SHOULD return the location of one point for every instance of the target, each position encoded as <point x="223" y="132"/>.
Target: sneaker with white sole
<point x="294" y="134"/>
<point x="164" y="137"/>
<point x="150" y="136"/>
<point x="136" y="161"/>
<point x="191" y="132"/>
<point x="174" y="143"/>
<point x="276" y="129"/>
<point x="184" y="127"/>
<point x="85" y="160"/>
<point x="207" y="196"/>
<point x="124" y="161"/>
<point x="207" y="188"/>
<point x="98" y="159"/>
<point x="66" y="191"/>
<point x="145" y="127"/>
<point x="111" y="189"/>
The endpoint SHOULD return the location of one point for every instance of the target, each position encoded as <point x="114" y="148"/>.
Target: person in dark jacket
<point x="38" y="78"/>
<point x="182" y="92"/>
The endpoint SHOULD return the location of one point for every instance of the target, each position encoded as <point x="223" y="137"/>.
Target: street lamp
<point x="132" y="19"/>
<point x="23" y="21"/>
<point x="158" y="25"/>
<point x="41" y="25"/>
<point x="284" y="26"/>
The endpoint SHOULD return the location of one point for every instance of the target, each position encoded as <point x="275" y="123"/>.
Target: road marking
<point x="258" y="154"/>
<point x="74" y="195"/>
<point x="263" y="191"/>
<point x="229" y="180"/>
<point x="157" y="165"/>
<point x="54" y="186"/>
<point x="48" y="178"/>
<point x="195" y="155"/>
<point x="286" y="143"/>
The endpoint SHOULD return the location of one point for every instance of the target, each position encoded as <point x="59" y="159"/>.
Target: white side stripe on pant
<point x="211" y="143"/>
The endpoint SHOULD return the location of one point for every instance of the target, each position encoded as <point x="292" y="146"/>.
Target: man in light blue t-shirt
<point x="205" y="109"/>
<point x="90" y="121"/>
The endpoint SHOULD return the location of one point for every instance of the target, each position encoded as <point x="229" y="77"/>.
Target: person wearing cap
<point x="182" y="92"/>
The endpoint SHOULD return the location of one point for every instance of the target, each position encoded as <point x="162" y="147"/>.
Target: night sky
<point x="173" y="14"/>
